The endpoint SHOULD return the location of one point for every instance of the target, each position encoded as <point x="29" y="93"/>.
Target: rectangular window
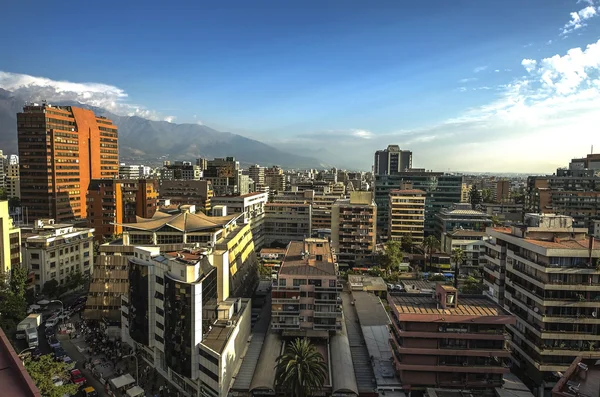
<point x="160" y="312"/>
<point x="208" y="372"/>
<point x="86" y="245"/>
<point x="159" y="338"/>
<point x="282" y="282"/>
<point x="209" y="357"/>
<point x="159" y="295"/>
<point x="160" y="326"/>
<point x="299" y="281"/>
<point x="159" y="280"/>
<point x="332" y="283"/>
<point x="35" y="256"/>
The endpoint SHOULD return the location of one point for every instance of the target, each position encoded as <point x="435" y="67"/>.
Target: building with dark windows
<point x="188" y="192"/>
<point x="109" y="281"/>
<point x="460" y="217"/>
<point x="441" y="191"/>
<point x="61" y="148"/>
<point x="392" y="160"/>
<point x="448" y="340"/>
<point x="285" y="222"/>
<point x="225" y="174"/>
<point x="179" y="315"/>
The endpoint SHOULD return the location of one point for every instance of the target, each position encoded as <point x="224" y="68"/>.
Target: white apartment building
<point x="252" y="208"/>
<point x="407" y="215"/>
<point x="472" y="243"/>
<point x="132" y="171"/>
<point x="179" y="316"/>
<point x="53" y="251"/>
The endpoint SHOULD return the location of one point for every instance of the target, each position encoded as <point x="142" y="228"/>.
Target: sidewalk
<point x="80" y="359"/>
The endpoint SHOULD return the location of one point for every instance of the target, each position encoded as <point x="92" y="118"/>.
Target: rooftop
<point x="311" y="257"/>
<point x="242" y="196"/>
<point x="569" y="244"/>
<point x="407" y="191"/>
<point x="217" y="337"/>
<point x="279" y="251"/>
<point x="582" y="378"/>
<point x="426" y="304"/>
<point x="286" y="205"/>
<point x="369" y="309"/>
<point x="14" y="378"/>
<point x="366" y="283"/>
<point x="466" y="233"/>
<point x="183" y="222"/>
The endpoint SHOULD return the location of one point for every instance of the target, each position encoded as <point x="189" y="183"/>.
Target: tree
<point x="13" y="304"/>
<point x="430" y="245"/>
<point x="486" y="196"/>
<point x="392" y="255"/>
<point x="407" y="243"/>
<point x="264" y="271"/>
<point x="50" y="288"/>
<point x="474" y="197"/>
<point x="495" y="220"/>
<point x="14" y="202"/>
<point x="458" y="257"/>
<point x="301" y="369"/>
<point x="3" y="195"/>
<point x="44" y="370"/>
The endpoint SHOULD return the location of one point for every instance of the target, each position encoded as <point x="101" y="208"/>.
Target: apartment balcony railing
<point x="285" y="326"/>
<point x="285" y="300"/>
<point x="328" y="314"/>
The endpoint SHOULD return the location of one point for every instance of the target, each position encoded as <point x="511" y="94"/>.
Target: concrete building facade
<point x="407" y="215"/>
<point x="353" y="227"/>
<point x="251" y="206"/>
<point x="10" y="241"/>
<point x="287" y="222"/>
<point x="392" y="160"/>
<point x="61" y="148"/>
<point x="188" y="192"/>
<point x="53" y="251"/>
<point x="460" y="216"/>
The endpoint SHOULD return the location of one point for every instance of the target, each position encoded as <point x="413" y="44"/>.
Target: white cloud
<point x="104" y="96"/>
<point x="578" y="19"/>
<point x="170" y="119"/>
<point x="590" y="2"/>
<point x="497" y="70"/>
<point x="199" y="122"/>
<point x="480" y="69"/>
<point x="364" y="134"/>
<point x="467" y="80"/>
<point x="529" y="64"/>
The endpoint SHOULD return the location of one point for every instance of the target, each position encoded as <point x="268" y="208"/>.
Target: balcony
<point x="286" y="313"/>
<point x="328" y="314"/>
<point x="285" y="300"/>
<point x="285" y="326"/>
<point x="327" y="327"/>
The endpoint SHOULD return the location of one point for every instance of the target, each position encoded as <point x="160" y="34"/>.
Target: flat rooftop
<point x="302" y="258"/>
<point x="425" y="304"/>
<point x="219" y="334"/>
<point x="367" y="283"/>
<point x="582" y="378"/>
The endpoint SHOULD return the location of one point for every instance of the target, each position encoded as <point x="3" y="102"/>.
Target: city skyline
<point x="482" y="89"/>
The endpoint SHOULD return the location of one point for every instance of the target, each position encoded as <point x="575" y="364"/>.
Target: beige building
<point x="320" y="202"/>
<point x="252" y="208"/>
<point x="12" y="182"/>
<point x="10" y="240"/>
<point x="472" y="243"/>
<point x="407" y="215"/>
<point x="547" y="273"/>
<point x="306" y="296"/>
<point x="285" y="222"/>
<point x="275" y="179"/>
<point x="53" y="251"/>
<point x="198" y="193"/>
<point x="353" y="227"/>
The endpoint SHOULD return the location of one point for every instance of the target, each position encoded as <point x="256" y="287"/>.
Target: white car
<point x="51" y="322"/>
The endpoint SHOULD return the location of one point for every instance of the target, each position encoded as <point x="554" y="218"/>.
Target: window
<point x="35" y="256"/>
<point x="208" y="372"/>
<point x="319" y="257"/>
<point x="282" y="282"/>
<point x="53" y="254"/>
<point x="332" y="283"/>
<point x="159" y="280"/>
<point x="35" y="266"/>
<point x="52" y="265"/>
<point x="86" y="254"/>
<point x="159" y="295"/>
<point x="86" y="263"/>
<point x="86" y="245"/>
<point x="160" y="312"/>
<point x="299" y="281"/>
<point x="159" y="338"/>
<point x="160" y="326"/>
<point x="209" y="357"/>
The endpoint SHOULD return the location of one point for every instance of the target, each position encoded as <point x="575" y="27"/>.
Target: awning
<point x="122" y="381"/>
<point x="135" y="391"/>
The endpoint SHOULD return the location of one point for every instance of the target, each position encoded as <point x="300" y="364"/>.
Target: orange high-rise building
<point x="61" y="148"/>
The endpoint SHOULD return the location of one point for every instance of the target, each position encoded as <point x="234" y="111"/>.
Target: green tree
<point x="474" y="197"/>
<point x="430" y="245"/>
<point x="392" y="256"/>
<point x="301" y="369"/>
<point x="264" y="270"/>
<point x="3" y="195"/>
<point x="13" y="305"/>
<point x="14" y="202"/>
<point x="486" y="196"/>
<point x="458" y="257"/>
<point x="51" y="288"/>
<point x="495" y="220"/>
<point x="44" y="370"/>
<point x="407" y="243"/>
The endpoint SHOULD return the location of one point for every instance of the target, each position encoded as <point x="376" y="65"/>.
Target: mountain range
<point x="149" y="141"/>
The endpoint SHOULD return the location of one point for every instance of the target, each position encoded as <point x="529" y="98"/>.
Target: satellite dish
<point x="594" y="314"/>
<point x="536" y="309"/>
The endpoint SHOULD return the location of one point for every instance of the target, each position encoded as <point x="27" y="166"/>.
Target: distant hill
<point x="146" y="140"/>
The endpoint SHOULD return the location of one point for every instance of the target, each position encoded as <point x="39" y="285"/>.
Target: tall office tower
<point x="407" y="215"/>
<point x="12" y="180"/>
<point x="10" y="240"/>
<point x="275" y="179"/>
<point x="111" y="202"/>
<point x="224" y="173"/>
<point x="353" y="224"/>
<point x="61" y="148"/>
<point x="257" y="173"/>
<point x="547" y="273"/>
<point x="392" y="160"/>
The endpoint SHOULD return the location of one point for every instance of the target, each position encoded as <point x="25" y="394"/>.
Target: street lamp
<point x="137" y="379"/>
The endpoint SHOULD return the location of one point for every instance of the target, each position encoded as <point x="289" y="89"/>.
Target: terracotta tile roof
<point x="500" y="229"/>
<point x="565" y="244"/>
<point x="295" y="263"/>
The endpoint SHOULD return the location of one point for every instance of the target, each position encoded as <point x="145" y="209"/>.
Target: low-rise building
<point x="353" y="227"/>
<point x="447" y="340"/>
<point x="472" y="243"/>
<point x="460" y="216"/>
<point x="285" y="222"/>
<point x="251" y="206"/>
<point x="306" y="296"/>
<point x="53" y="251"/>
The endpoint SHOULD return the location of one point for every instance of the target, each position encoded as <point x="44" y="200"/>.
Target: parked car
<point x="77" y="377"/>
<point x="49" y="332"/>
<point x="59" y="353"/>
<point x="89" y="392"/>
<point x="53" y="342"/>
<point x="51" y="322"/>
<point x="69" y="362"/>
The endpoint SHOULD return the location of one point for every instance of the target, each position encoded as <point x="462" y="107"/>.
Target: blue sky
<point x="446" y="79"/>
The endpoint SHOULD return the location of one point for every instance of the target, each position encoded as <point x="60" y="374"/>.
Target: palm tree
<point x="458" y="257"/>
<point x="495" y="220"/>
<point x="301" y="370"/>
<point x="406" y="242"/>
<point x="430" y="244"/>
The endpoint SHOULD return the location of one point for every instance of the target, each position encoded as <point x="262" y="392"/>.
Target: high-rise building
<point x="133" y="171"/>
<point x="12" y="180"/>
<point x="407" y="215"/>
<point x="3" y="168"/>
<point x="188" y="192"/>
<point x="449" y="341"/>
<point x="178" y="313"/>
<point x="10" y="241"/>
<point x="306" y="296"/>
<point x="112" y="202"/>
<point x="547" y="273"/>
<point x="443" y="190"/>
<point x="224" y="173"/>
<point x="252" y="208"/>
<point x="353" y="227"/>
<point x="285" y="222"/>
<point x="460" y="216"/>
<point x="321" y="204"/>
<point x="61" y="148"/>
<point x="55" y="251"/>
<point x="392" y="160"/>
<point x="275" y="179"/>
<point x="181" y="170"/>
<point x="257" y="173"/>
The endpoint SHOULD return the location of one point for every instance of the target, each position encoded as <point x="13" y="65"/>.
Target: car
<point x="35" y="354"/>
<point x="77" y="377"/>
<point x="89" y="392"/>
<point x="59" y="353"/>
<point x="399" y="287"/>
<point x="391" y="286"/>
<point x="69" y="362"/>
<point x="49" y="332"/>
<point x="51" y="322"/>
<point x="64" y="317"/>
<point x="53" y="342"/>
